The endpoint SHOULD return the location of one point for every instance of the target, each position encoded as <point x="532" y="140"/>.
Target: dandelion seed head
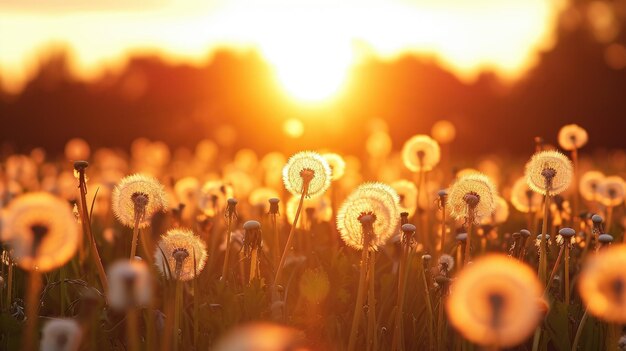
<point x="213" y="197"/>
<point x="187" y="190"/>
<point x="307" y="167"/>
<point x="129" y="285"/>
<point x="179" y="247"/>
<point x="602" y="284"/>
<point x="572" y="137"/>
<point x="374" y="199"/>
<point x="132" y="192"/>
<point x="337" y="165"/>
<point x="589" y="185"/>
<point x="612" y="191"/>
<point x="472" y="197"/>
<point x="549" y="167"/>
<point x="41" y="230"/>
<point x="494" y="301"/>
<point x="420" y="153"/>
<point x="446" y="262"/>
<point x="61" y="335"/>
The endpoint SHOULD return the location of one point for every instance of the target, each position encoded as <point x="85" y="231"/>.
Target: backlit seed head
<point x="472" y="197"/>
<point x="376" y="200"/>
<point x="612" y="191"/>
<point x="549" y="169"/>
<point x="41" y="230"/>
<point x="446" y="262"/>
<point x="420" y="153"/>
<point x="601" y="284"/>
<point x="180" y="247"/>
<point x="590" y="185"/>
<point x="61" y="335"/>
<point x="572" y="137"/>
<point x="213" y="197"/>
<point x="129" y="285"/>
<point x="138" y="195"/>
<point x="310" y="168"/>
<point x="408" y="195"/>
<point x="337" y="165"/>
<point x="493" y="301"/>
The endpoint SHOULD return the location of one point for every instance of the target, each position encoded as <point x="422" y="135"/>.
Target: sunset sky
<point x="311" y="45"/>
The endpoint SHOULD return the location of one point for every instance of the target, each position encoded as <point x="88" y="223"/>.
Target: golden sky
<point x="310" y="44"/>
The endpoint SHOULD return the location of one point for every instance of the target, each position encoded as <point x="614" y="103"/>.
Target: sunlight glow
<point x="311" y="45"/>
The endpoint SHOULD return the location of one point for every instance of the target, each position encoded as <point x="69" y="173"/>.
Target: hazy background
<point x="274" y="75"/>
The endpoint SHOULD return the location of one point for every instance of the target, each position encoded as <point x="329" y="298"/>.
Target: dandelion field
<point x="104" y="249"/>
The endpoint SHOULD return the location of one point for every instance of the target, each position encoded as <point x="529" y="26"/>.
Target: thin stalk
<point x="86" y="223"/>
<point x="468" y="241"/>
<point x="276" y="241"/>
<point x="254" y="265"/>
<point x="279" y="270"/>
<point x="443" y="230"/>
<point x="359" y="299"/>
<point x="397" y="343"/>
<point x="417" y="218"/>
<point x="133" y="244"/>
<point x="132" y="333"/>
<point x="575" y="192"/>
<point x="227" y="253"/>
<point x="543" y="261"/>
<point x="178" y="300"/>
<point x="9" y="283"/>
<point x="429" y="307"/>
<point x="440" y="323"/>
<point x="566" y="274"/>
<point x="33" y="290"/>
<point x="372" y="339"/>
<point x="579" y="331"/>
<point x="556" y="266"/>
<point x="196" y="303"/>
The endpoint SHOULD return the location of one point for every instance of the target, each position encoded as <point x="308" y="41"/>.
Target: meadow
<point x="159" y="249"/>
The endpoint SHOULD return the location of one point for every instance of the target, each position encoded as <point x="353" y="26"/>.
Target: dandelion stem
<point x="178" y="300"/>
<point x="468" y="241"/>
<point x="579" y="331"/>
<point x="566" y="274"/>
<point x="429" y="307"/>
<point x="132" y="334"/>
<point x="86" y="223"/>
<point x="9" y="286"/>
<point x="133" y="244"/>
<point x="279" y="269"/>
<point x="372" y="340"/>
<point x="575" y="193"/>
<point x="33" y="289"/>
<point x="276" y="241"/>
<point x="543" y="262"/>
<point x="443" y="229"/>
<point x="556" y="266"/>
<point x="229" y="224"/>
<point x="359" y="299"/>
<point x="397" y="343"/>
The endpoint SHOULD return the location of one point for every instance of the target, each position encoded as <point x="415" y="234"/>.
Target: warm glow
<point x="310" y="44"/>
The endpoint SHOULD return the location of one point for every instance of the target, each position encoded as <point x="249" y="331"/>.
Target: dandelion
<point x="612" y="192"/>
<point x="43" y="235"/>
<point x="572" y="137"/>
<point x="590" y="185"/>
<point x="213" y="197"/>
<point x="61" y="335"/>
<point x="41" y="230"/>
<point x="493" y="302"/>
<point x="307" y="173"/>
<point x="471" y="198"/>
<point x="135" y="200"/>
<point x="500" y="214"/>
<point x="231" y="214"/>
<point x="602" y="284"/>
<point x="446" y="263"/>
<point x="407" y="192"/>
<point x="408" y="231"/>
<point x="420" y="153"/>
<point x="375" y="199"/>
<point x="177" y="252"/>
<point x="130" y="285"/>
<point x="337" y="165"/>
<point x="548" y="173"/>
<point x="187" y="192"/>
